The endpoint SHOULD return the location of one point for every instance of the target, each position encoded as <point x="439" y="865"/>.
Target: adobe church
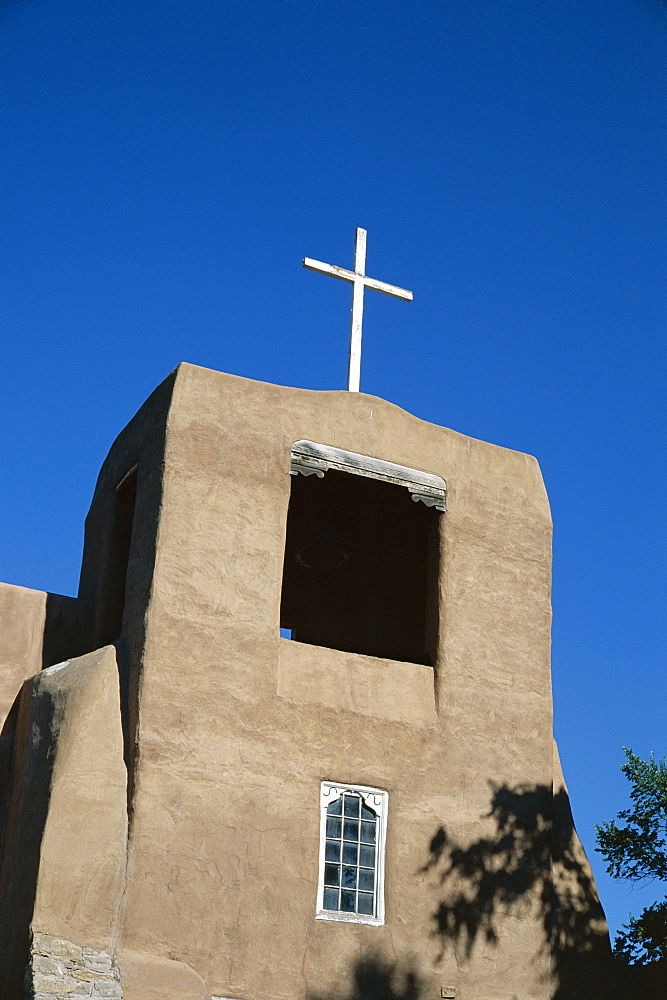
<point x="293" y="738"/>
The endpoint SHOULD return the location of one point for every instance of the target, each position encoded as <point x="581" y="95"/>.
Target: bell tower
<point x="326" y="686"/>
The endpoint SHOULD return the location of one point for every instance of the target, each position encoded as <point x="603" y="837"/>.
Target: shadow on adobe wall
<point x="532" y="858"/>
<point x="27" y="745"/>
<point x="374" y="978"/>
<point x="67" y="629"/>
<point x="68" y="633"/>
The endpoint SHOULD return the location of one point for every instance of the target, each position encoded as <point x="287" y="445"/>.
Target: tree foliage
<point x="634" y="845"/>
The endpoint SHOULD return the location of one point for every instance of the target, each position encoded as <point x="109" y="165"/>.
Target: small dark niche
<point x="361" y="568"/>
<point x="118" y="557"/>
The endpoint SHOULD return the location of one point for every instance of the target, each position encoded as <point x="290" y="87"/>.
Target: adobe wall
<point x="140" y="445"/>
<point x="177" y="856"/>
<point x="62" y="865"/>
<point x="37" y="629"/>
<point x="22" y="615"/>
<point x="235" y="733"/>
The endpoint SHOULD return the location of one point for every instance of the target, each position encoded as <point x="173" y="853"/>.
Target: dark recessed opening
<point x="119" y="555"/>
<point x="361" y="568"/>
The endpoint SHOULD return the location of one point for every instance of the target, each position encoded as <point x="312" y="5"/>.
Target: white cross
<point x="359" y="281"/>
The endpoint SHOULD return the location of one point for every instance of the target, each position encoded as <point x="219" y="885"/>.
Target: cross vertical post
<point x="357" y="313"/>
<point x="360" y="282"/>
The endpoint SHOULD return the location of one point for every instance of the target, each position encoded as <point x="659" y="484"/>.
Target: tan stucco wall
<point x="65" y="818"/>
<point x="36" y="630"/>
<point x="224" y="843"/>
<point x="82" y="864"/>
<point x="227" y="730"/>
<point x="22" y="614"/>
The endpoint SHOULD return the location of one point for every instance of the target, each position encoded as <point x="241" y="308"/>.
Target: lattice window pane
<point x="350" y="856"/>
<point x="331" y="899"/>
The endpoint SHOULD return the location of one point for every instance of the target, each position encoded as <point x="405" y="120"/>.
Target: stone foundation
<point x="61" y="970"/>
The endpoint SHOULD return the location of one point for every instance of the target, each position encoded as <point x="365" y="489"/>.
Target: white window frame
<point x="378" y="801"/>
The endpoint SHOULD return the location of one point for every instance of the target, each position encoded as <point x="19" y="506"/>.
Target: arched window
<point x="352" y="835"/>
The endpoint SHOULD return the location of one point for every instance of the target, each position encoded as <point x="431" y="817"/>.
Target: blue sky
<point x="166" y="165"/>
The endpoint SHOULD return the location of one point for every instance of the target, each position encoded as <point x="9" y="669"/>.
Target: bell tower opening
<point x="361" y="567"/>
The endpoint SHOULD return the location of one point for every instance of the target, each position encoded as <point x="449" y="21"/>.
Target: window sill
<point x="385" y="689"/>
<point x="348" y="918"/>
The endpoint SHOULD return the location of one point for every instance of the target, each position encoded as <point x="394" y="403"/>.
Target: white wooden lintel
<point x="310" y="458"/>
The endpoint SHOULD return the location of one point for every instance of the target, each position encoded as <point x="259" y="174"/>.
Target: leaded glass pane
<point x="367" y="856"/>
<point x="367" y="833"/>
<point x="366" y="879"/>
<point x="332" y="851"/>
<point x="330" y="899"/>
<point x="333" y="827"/>
<point x="351" y="829"/>
<point x="352" y="805"/>
<point x="347" y="901"/>
<point x="365" y="904"/>
<point x="350" y="854"/>
<point x="349" y="877"/>
<point x="331" y="875"/>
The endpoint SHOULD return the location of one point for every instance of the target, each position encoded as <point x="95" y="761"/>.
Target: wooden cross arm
<point x="351" y="277"/>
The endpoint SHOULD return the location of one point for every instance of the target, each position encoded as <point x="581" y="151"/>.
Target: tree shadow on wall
<point x="375" y="978"/>
<point x="532" y="863"/>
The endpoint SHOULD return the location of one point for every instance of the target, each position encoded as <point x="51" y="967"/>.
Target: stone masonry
<point x="61" y="970"/>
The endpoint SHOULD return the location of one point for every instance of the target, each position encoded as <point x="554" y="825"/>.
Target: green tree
<point x="637" y="850"/>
